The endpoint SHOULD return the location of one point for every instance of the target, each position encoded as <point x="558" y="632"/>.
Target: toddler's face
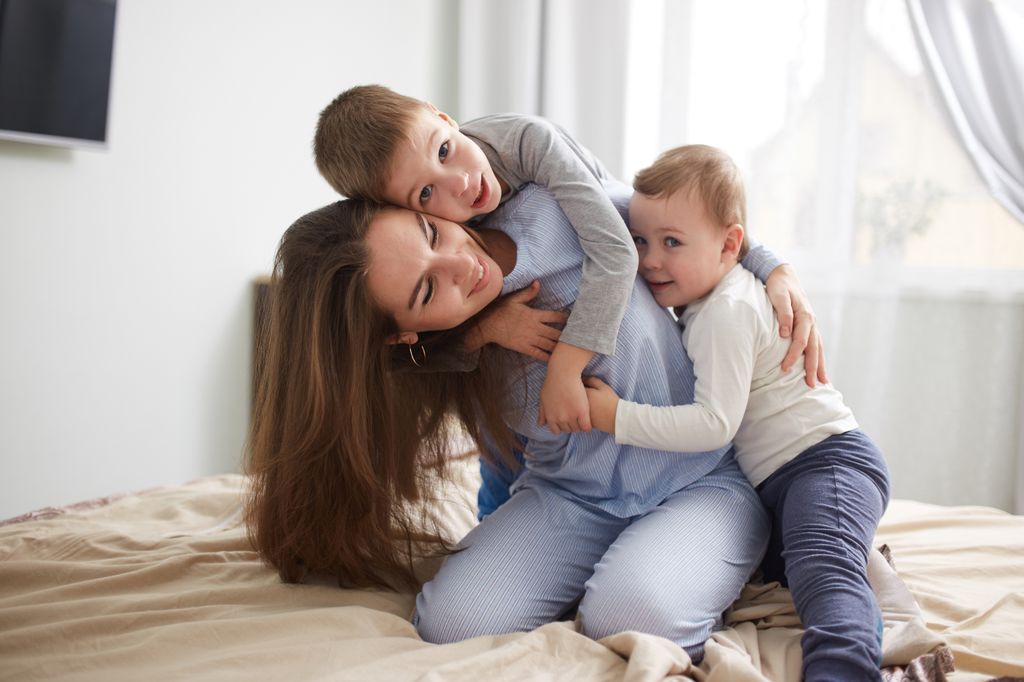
<point x="680" y="247"/>
<point x="441" y="171"/>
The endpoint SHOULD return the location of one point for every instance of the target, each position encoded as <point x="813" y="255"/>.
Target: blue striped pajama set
<point x="643" y="539"/>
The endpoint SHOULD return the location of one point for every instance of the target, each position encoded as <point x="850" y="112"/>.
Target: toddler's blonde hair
<point x="705" y="171"/>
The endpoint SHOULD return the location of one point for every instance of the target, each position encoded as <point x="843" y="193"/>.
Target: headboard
<point x="260" y="319"/>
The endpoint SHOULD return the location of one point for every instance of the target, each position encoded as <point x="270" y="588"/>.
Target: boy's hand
<point x="604" y="403"/>
<point x="791" y="303"/>
<point x="563" y="400"/>
<point x="514" y="325"/>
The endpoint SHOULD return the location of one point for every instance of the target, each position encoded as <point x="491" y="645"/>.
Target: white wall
<point x="125" y="288"/>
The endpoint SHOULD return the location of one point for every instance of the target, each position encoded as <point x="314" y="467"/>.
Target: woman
<point x="346" y="439"/>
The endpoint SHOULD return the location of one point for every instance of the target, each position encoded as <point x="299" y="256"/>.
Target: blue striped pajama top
<point x="649" y="366"/>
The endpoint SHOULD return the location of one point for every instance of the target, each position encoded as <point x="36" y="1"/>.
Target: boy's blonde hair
<point x="705" y="171"/>
<point x="356" y="137"/>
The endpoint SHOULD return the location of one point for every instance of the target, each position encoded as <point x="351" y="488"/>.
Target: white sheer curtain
<point x="561" y="59"/>
<point x="854" y="173"/>
<point x="975" y="53"/>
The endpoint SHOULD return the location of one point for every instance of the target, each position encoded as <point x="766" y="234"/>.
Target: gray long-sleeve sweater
<point x="523" y="149"/>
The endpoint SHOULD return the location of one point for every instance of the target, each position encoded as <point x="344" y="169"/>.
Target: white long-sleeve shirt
<point x="741" y="394"/>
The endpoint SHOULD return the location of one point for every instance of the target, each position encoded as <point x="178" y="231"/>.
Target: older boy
<point x="374" y="143"/>
<point x="824" y="480"/>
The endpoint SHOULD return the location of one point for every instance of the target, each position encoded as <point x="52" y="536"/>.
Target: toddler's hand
<point x="604" y="402"/>
<point x="796" y="320"/>
<point x="514" y="325"/>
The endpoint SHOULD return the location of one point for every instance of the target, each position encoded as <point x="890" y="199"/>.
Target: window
<point x="853" y="169"/>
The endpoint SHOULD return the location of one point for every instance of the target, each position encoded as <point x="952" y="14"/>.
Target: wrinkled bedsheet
<point x="164" y="585"/>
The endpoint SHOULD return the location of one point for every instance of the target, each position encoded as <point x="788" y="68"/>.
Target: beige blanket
<point x="163" y="585"/>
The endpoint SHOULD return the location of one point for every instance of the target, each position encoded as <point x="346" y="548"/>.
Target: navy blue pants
<point x="495" y="480"/>
<point x="825" y="506"/>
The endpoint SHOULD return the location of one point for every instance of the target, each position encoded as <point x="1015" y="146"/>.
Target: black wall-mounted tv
<point x="55" y="67"/>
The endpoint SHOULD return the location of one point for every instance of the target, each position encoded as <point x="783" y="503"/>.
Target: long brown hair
<point x="345" y="440"/>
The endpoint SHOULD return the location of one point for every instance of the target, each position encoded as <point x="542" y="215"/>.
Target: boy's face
<point x="682" y="250"/>
<point x="441" y="171"/>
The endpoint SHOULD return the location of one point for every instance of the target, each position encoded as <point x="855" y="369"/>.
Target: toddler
<point x="822" y="479"/>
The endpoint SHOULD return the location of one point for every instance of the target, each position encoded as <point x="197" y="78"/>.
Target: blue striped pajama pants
<point x="670" y="572"/>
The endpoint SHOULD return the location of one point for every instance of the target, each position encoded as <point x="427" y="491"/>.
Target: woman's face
<point x="428" y="273"/>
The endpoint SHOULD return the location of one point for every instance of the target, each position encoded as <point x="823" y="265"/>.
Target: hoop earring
<point x="423" y="355"/>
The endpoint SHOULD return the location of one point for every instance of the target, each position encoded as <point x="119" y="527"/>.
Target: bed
<point x="163" y="584"/>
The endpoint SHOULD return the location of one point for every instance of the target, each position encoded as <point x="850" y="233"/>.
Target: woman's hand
<point x="514" y="325"/>
<point x="796" y="321"/>
<point x="604" y="402"/>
